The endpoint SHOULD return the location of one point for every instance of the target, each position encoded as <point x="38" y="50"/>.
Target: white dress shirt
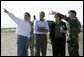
<point x="23" y="27"/>
<point x="38" y="23"/>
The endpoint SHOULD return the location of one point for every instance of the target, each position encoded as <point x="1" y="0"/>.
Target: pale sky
<point x="18" y="8"/>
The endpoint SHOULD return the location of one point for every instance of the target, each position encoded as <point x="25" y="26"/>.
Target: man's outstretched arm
<point x="62" y="16"/>
<point x="12" y="16"/>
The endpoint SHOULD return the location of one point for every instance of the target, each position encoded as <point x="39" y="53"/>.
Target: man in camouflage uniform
<point x="74" y="30"/>
<point x="32" y="40"/>
<point x="31" y="43"/>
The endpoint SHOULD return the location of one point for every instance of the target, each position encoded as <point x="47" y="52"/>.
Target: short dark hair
<point x="73" y="11"/>
<point x="27" y="14"/>
<point x="59" y="15"/>
<point x="43" y="12"/>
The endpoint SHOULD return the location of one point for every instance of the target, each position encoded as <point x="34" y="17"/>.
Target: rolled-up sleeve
<point x="35" y="25"/>
<point x="47" y="26"/>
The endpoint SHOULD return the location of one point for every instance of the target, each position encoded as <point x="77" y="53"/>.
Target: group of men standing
<point x="28" y="32"/>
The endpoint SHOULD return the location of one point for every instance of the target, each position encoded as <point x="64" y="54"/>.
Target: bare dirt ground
<point x="9" y="46"/>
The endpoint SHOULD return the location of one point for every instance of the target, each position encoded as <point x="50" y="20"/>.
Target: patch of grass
<point x="7" y="30"/>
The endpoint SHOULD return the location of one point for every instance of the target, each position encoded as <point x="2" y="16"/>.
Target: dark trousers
<point x="41" y="44"/>
<point x="58" y="46"/>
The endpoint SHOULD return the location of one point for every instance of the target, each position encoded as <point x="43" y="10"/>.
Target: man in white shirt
<point x="23" y="32"/>
<point x="40" y="30"/>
